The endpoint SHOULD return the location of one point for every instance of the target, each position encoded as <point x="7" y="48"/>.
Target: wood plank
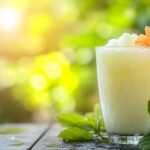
<point x="50" y="141"/>
<point x="20" y="136"/>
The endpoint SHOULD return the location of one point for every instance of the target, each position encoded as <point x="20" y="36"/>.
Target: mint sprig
<point x="79" y="127"/>
<point x="70" y="119"/>
<point x="87" y="127"/>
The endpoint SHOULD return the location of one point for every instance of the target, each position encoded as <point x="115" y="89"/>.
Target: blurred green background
<point x="47" y="56"/>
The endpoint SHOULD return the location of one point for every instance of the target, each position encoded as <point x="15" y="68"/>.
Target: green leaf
<point x="70" y="119"/>
<point x="100" y="120"/>
<point x="82" y="128"/>
<point x="11" y="131"/>
<point x="98" y="126"/>
<point x="85" y="126"/>
<point x="76" y="120"/>
<point x="149" y="106"/>
<point x="91" y="119"/>
<point x="97" y="111"/>
<point x="75" y="134"/>
<point x="17" y="143"/>
<point x="53" y="144"/>
<point x="145" y="143"/>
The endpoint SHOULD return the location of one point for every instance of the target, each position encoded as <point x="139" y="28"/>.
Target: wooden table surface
<point x="40" y="137"/>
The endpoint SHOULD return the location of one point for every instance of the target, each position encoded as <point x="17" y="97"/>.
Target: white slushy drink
<point x="124" y="87"/>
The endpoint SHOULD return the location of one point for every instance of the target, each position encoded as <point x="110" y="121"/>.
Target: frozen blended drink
<point x="123" y="69"/>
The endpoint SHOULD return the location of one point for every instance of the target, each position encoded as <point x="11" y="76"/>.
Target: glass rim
<point x="99" y="47"/>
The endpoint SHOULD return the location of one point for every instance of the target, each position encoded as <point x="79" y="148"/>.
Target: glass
<point x="124" y="89"/>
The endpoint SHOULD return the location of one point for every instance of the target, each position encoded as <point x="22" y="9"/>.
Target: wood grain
<point x="20" y="141"/>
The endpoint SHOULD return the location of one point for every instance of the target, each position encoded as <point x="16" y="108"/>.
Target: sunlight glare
<point x="9" y="19"/>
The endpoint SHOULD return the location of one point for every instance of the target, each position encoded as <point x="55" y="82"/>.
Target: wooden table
<point x="39" y="137"/>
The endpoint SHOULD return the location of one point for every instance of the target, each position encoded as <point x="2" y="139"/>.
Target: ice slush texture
<point x="125" y="39"/>
<point x="124" y="87"/>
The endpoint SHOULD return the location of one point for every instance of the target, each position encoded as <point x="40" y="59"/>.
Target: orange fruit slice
<point x="144" y="40"/>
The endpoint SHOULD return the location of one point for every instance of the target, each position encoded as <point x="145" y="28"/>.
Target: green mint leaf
<point x="91" y="119"/>
<point x="80" y="127"/>
<point x="144" y="143"/>
<point x="53" y="144"/>
<point x="85" y="126"/>
<point x="149" y="106"/>
<point x="97" y="111"/>
<point x="99" y="126"/>
<point x="70" y="119"/>
<point x="75" y="134"/>
<point x="76" y="120"/>
<point x="95" y="122"/>
<point x="11" y="131"/>
<point x="17" y="143"/>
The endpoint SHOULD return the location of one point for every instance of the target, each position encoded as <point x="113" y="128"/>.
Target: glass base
<point x="119" y="142"/>
<point x="126" y="140"/>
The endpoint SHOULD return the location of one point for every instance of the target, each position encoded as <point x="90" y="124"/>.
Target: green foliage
<point x="11" y="131"/>
<point x="145" y="143"/>
<point x="78" y="41"/>
<point x="53" y="144"/>
<point x="75" y="134"/>
<point x="70" y="119"/>
<point x="80" y="127"/>
<point x="17" y="143"/>
<point x="91" y="119"/>
<point x="46" y="65"/>
<point x="76" y="120"/>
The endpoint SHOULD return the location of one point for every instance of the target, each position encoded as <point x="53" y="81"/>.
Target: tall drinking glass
<point x="124" y="89"/>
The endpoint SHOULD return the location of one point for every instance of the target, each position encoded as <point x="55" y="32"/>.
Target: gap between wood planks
<point x="39" y="138"/>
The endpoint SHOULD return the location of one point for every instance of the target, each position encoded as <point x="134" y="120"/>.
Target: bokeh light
<point x="38" y="81"/>
<point x="47" y="52"/>
<point x="9" y="19"/>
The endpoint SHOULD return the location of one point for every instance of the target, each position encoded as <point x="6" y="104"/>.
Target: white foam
<point x="125" y="39"/>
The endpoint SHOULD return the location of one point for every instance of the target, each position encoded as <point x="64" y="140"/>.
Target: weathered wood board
<point x="50" y="141"/>
<point x="43" y="137"/>
<point x="20" y="136"/>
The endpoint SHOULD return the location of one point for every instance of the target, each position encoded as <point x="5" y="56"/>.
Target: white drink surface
<point x="124" y="88"/>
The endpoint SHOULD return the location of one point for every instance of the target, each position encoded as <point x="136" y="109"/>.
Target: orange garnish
<point x="144" y="40"/>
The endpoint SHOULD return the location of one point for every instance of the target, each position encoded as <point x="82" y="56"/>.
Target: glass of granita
<point x="123" y="70"/>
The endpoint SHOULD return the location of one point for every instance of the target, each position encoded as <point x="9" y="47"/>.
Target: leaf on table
<point x="145" y="143"/>
<point x="100" y="120"/>
<point x="85" y="126"/>
<point x="91" y="119"/>
<point x="75" y="134"/>
<point x="97" y="111"/>
<point x="53" y="144"/>
<point x="81" y="128"/>
<point x="17" y="143"/>
<point x="77" y="120"/>
<point x="70" y="119"/>
<point x="11" y="131"/>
